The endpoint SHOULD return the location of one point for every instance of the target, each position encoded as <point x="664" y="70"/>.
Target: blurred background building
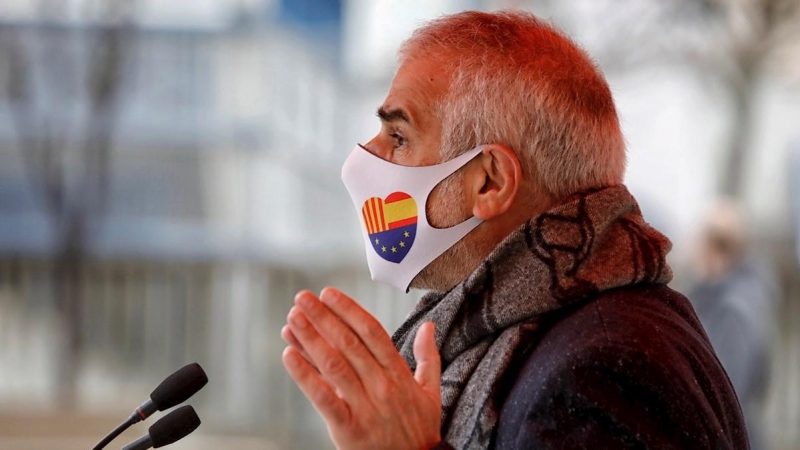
<point x="169" y="178"/>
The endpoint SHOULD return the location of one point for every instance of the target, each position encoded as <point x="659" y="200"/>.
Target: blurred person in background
<point x="495" y="183"/>
<point x="734" y="299"/>
<point x="794" y="192"/>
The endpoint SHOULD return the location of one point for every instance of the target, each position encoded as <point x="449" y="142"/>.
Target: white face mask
<point x="391" y="201"/>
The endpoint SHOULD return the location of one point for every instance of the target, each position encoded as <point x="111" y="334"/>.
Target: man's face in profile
<point x="411" y="135"/>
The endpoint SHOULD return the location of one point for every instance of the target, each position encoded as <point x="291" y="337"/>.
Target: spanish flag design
<point x="391" y="225"/>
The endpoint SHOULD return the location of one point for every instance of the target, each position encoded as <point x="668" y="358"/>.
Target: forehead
<point x="416" y="87"/>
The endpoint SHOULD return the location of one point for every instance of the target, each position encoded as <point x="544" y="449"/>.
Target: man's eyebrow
<point x="393" y="115"/>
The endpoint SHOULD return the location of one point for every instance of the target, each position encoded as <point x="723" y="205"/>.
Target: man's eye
<point x="399" y="140"/>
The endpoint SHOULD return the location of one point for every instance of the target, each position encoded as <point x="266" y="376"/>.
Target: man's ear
<point x="492" y="181"/>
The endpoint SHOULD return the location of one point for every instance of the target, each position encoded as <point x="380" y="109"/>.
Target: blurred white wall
<point x="375" y="30"/>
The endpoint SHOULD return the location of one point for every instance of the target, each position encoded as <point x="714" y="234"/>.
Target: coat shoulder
<point x="631" y="368"/>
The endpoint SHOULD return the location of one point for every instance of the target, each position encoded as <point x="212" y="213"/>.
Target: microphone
<point x="174" y="390"/>
<point x="167" y="430"/>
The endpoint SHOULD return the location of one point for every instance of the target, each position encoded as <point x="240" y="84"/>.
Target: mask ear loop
<point x="478" y="151"/>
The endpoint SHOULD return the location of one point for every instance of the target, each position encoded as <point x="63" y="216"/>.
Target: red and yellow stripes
<point x="398" y="210"/>
<point x="374" y="217"/>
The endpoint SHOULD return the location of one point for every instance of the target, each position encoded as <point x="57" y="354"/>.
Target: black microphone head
<point x="178" y="387"/>
<point x="174" y="426"/>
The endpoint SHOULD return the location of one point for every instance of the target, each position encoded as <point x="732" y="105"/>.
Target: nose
<point x="374" y="146"/>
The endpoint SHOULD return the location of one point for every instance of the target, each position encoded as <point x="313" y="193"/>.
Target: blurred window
<point x="320" y="20"/>
<point x="311" y="13"/>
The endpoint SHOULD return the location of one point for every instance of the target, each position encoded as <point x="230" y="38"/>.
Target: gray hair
<point x="520" y="82"/>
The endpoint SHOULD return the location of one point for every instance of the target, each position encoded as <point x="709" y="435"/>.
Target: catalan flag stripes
<point x="374" y="217"/>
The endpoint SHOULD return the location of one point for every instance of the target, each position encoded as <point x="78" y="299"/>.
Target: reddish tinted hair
<point x="521" y="82"/>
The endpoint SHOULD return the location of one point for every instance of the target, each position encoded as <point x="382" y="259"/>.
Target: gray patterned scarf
<point x="592" y="243"/>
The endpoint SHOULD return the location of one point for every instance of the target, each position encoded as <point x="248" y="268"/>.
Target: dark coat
<point x="631" y="368"/>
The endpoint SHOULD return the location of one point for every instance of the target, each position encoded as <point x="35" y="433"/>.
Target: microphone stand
<point x="113" y="435"/>
<point x="140" y="414"/>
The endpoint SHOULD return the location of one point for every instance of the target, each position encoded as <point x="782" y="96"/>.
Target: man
<point x="734" y="296"/>
<point x="548" y="323"/>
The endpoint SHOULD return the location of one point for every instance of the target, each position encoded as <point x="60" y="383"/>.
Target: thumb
<point x="429" y="365"/>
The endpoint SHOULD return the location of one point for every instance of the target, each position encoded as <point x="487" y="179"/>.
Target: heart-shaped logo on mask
<point x="391" y="224"/>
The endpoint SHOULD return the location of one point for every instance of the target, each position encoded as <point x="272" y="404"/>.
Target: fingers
<point x="289" y="338"/>
<point x="330" y="363"/>
<point x="339" y="336"/>
<point x="366" y="327"/>
<point x="332" y="408"/>
<point x="429" y="364"/>
<point x="361" y="385"/>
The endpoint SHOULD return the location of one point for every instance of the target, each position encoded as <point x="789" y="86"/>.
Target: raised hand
<point x="346" y="365"/>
